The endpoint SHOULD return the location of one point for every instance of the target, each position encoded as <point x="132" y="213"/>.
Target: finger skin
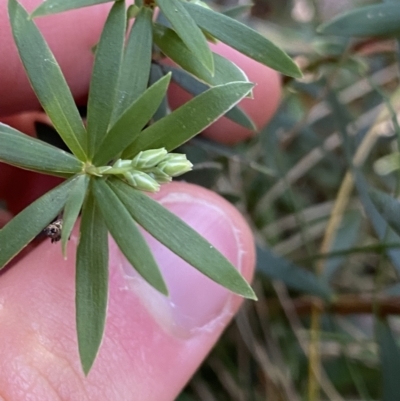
<point x="70" y="35"/>
<point x="149" y="351"/>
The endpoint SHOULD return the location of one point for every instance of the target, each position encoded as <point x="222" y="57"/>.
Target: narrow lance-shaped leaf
<point x="237" y="11"/>
<point x="181" y="239"/>
<point x="171" y="45"/>
<point x="188" y="31"/>
<point x="103" y="85"/>
<point x="29" y="153"/>
<point x="127" y="235"/>
<point x="136" y="63"/>
<point x="91" y="282"/>
<point x="57" y="6"/>
<point x="372" y="20"/>
<point x="390" y="360"/>
<point x="72" y="208"/>
<point x="24" y="227"/>
<point x="388" y="207"/>
<point x="47" y="80"/>
<point x="278" y="268"/>
<point x="384" y="231"/>
<point x="243" y="39"/>
<point x="157" y="73"/>
<point x="190" y="119"/>
<point x="130" y="124"/>
<point x="195" y="87"/>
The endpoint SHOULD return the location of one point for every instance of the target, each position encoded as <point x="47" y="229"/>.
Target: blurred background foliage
<point x="326" y="324"/>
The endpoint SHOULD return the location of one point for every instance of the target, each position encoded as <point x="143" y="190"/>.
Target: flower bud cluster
<point x="148" y="169"/>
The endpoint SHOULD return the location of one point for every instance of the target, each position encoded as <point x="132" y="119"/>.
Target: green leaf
<point x="191" y="118"/>
<point x="188" y="31"/>
<point x="127" y="235"/>
<point x="237" y="11"/>
<point x="345" y="239"/>
<point x="194" y="87"/>
<point x="181" y="239"/>
<point x="384" y="231"/>
<point x="47" y="80"/>
<point x="72" y="208"/>
<point x="374" y="20"/>
<point x="29" y="153"/>
<point x="243" y="39"/>
<point x="388" y="207"/>
<point x="130" y="124"/>
<point x="91" y="282"/>
<point x="136" y="63"/>
<point x="225" y="72"/>
<point x="171" y="45"/>
<point x="103" y="85"/>
<point x="390" y="359"/>
<point x="57" y="6"/>
<point x="156" y="73"/>
<point x="24" y="227"/>
<point x="277" y="268"/>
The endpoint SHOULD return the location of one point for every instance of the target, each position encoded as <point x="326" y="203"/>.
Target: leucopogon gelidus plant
<point x="123" y="151"/>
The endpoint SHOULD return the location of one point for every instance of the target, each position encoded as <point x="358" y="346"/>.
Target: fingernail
<point x="195" y="303"/>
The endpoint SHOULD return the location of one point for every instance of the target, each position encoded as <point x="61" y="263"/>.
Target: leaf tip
<point x="34" y="14"/>
<point x="86" y="367"/>
<point x="296" y="71"/>
<point x="321" y="29"/>
<point x="247" y="292"/>
<point x="251" y="295"/>
<point x="162" y="287"/>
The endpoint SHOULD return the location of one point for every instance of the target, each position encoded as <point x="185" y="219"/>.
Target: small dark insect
<point x="53" y="230"/>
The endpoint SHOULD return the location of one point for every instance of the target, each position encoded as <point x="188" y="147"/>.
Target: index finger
<point x="70" y="35"/>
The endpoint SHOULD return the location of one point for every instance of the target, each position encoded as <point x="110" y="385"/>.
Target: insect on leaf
<point x="24" y="227"/>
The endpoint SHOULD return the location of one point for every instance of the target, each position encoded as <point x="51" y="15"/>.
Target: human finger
<point x="152" y="344"/>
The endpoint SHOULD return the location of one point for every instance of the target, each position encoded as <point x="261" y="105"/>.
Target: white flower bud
<point x="103" y="169"/>
<point x="149" y="158"/>
<point x="93" y="171"/>
<point x="142" y="181"/>
<point x="175" y="164"/>
<point x="159" y="175"/>
<point x="122" y="163"/>
<point x="119" y="167"/>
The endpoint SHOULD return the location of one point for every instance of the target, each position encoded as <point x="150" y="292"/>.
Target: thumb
<point x="152" y="344"/>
